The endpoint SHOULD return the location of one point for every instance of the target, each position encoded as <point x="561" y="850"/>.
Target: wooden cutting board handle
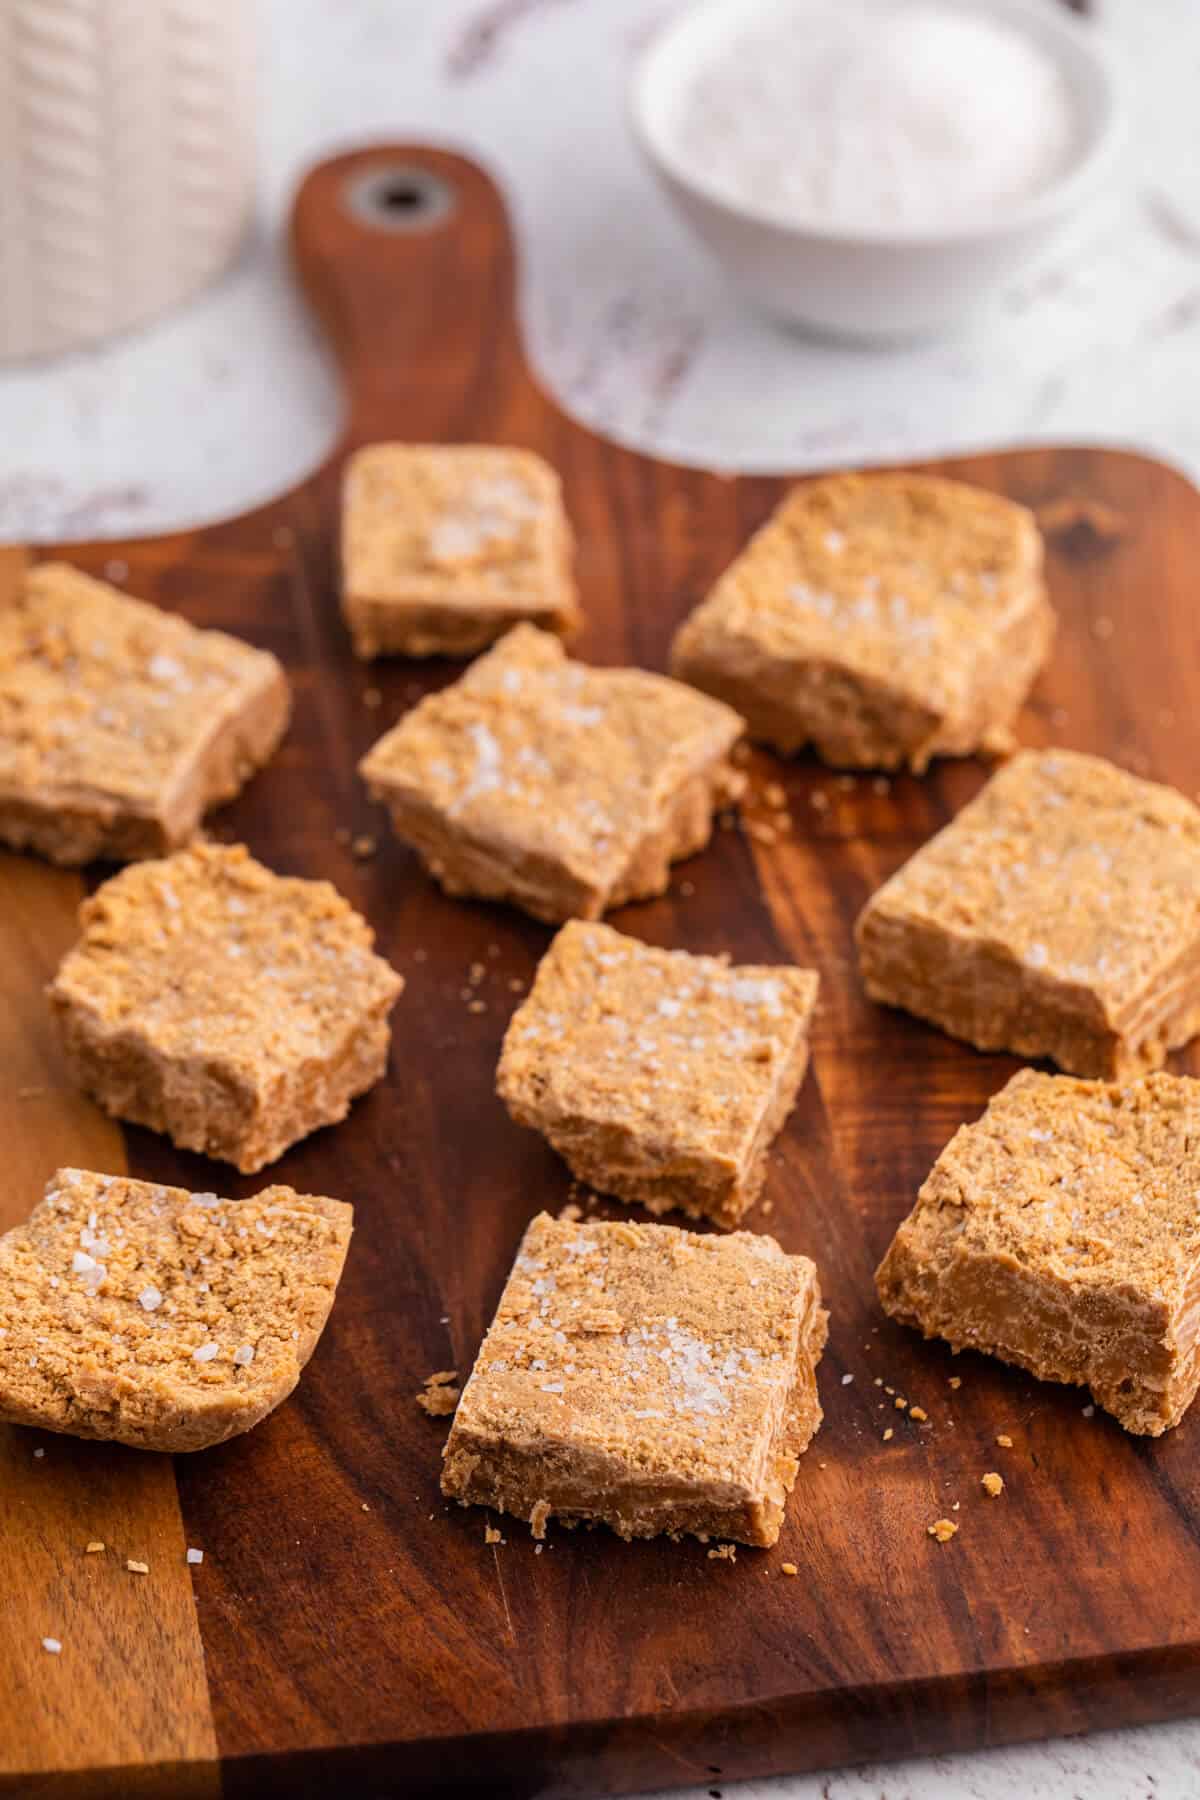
<point x="405" y="255"/>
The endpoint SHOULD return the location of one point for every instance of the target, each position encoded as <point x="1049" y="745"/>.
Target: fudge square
<point x="233" y="1009"/>
<point x="121" y="724"/>
<point x="159" y="1318"/>
<point x="658" y="1076"/>
<point x="444" y="548"/>
<point x="885" y="619"/>
<point x="646" y="1378"/>
<point x="1055" y="916"/>
<point x="564" y="789"/>
<point x="1062" y="1233"/>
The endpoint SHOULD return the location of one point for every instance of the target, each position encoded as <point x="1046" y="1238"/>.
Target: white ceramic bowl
<point x="858" y="283"/>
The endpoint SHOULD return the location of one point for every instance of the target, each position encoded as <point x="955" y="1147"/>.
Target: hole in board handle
<point x="399" y="197"/>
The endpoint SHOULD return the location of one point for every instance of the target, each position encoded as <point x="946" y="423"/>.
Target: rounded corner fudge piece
<point x="658" y="1076"/>
<point x="883" y="618"/>
<point x="121" y="725"/>
<point x="233" y="1009"/>
<point x="161" y="1319"/>
<point x="1061" y="1232"/>
<point x="1054" y="916"/>
<point x="445" y="547"/>
<point x="645" y="1378"/>
<point x="563" y="789"/>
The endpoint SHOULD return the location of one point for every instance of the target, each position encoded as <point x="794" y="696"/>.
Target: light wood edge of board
<point x="127" y="1690"/>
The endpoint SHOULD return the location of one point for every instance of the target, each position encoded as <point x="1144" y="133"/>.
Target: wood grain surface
<point x="355" y="1627"/>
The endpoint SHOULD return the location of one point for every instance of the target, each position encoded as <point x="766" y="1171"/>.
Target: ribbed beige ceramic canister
<point x="126" y="161"/>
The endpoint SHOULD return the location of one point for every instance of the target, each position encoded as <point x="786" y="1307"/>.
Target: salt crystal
<point x="206" y="1352"/>
<point x="195" y="1556"/>
<point x="243" y="1356"/>
<point x="52" y="1645"/>
<point x="150" y="1299"/>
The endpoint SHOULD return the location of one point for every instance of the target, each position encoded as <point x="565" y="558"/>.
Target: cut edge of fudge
<point x="419" y="623"/>
<point x="472" y="863"/>
<point x="71" y="824"/>
<point x="106" y="1269"/>
<point x="211" y="1105"/>
<point x="609" y="1157"/>
<point x="977" y="990"/>
<point x="1005" y="1301"/>
<point x="852" y="717"/>
<point x="542" y="1477"/>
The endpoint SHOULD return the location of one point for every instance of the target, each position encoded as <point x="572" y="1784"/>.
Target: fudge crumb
<point x="439" y="1397"/>
<point x="477" y="1006"/>
<point x="538" y="1517"/>
<point x="819" y="800"/>
<point x="1004" y="1441"/>
<point x="363" y="847"/>
<point x="687" y="889"/>
<point x="762" y="833"/>
<point x="372" y="698"/>
<point x="775" y="796"/>
<point x="955" y="1381"/>
<point x="137" y="1568"/>
<point x="515" y="985"/>
<point x="94" y="1548"/>
<point x="491" y="1535"/>
<point x="918" y="1413"/>
<point x="889" y="1433"/>
<point x="993" y="1484"/>
<point x="901" y="1404"/>
<point x="723" y="1553"/>
<point x="788" y="1569"/>
<point x="570" y="1212"/>
<point x="942" y="1529"/>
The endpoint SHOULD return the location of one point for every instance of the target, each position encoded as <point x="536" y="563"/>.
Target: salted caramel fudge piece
<point x="121" y="724"/>
<point x="233" y="1009"/>
<point x="564" y="789"/>
<point x="1055" y="916"/>
<point x="1062" y="1233"/>
<point x="646" y="1378"/>
<point x="444" y="548"/>
<point x="658" y="1076"/>
<point x="883" y="619"/>
<point x="159" y="1318"/>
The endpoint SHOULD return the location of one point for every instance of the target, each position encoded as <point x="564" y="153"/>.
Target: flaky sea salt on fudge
<point x="159" y="1318"/>
<point x="121" y="724"/>
<point x="1062" y="1233"/>
<point x="659" y="1076"/>
<point x="884" y="619"/>
<point x="564" y="789"/>
<point x="1055" y="916"/>
<point x="445" y="547"/>
<point x="232" y="1008"/>
<point x="645" y="1378"/>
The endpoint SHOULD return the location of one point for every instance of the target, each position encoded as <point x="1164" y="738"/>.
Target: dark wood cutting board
<point x="346" y="1624"/>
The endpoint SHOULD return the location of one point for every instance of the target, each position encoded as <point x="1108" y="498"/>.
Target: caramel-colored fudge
<point x="658" y="1076"/>
<point x="231" y="1008"/>
<point x="159" y="1318"/>
<point x="884" y="619"/>
<point x="121" y="724"/>
<point x="564" y="789"/>
<point x="646" y="1378"/>
<point x="445" y="548"/>
<point x="1055" y="916"/>
<point x="1062" y="1233"/>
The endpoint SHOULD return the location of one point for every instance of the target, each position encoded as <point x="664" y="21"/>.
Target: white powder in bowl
<point x="896" y="115"/>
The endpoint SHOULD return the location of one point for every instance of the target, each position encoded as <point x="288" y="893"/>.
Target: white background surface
<point x="233" y="400"/>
